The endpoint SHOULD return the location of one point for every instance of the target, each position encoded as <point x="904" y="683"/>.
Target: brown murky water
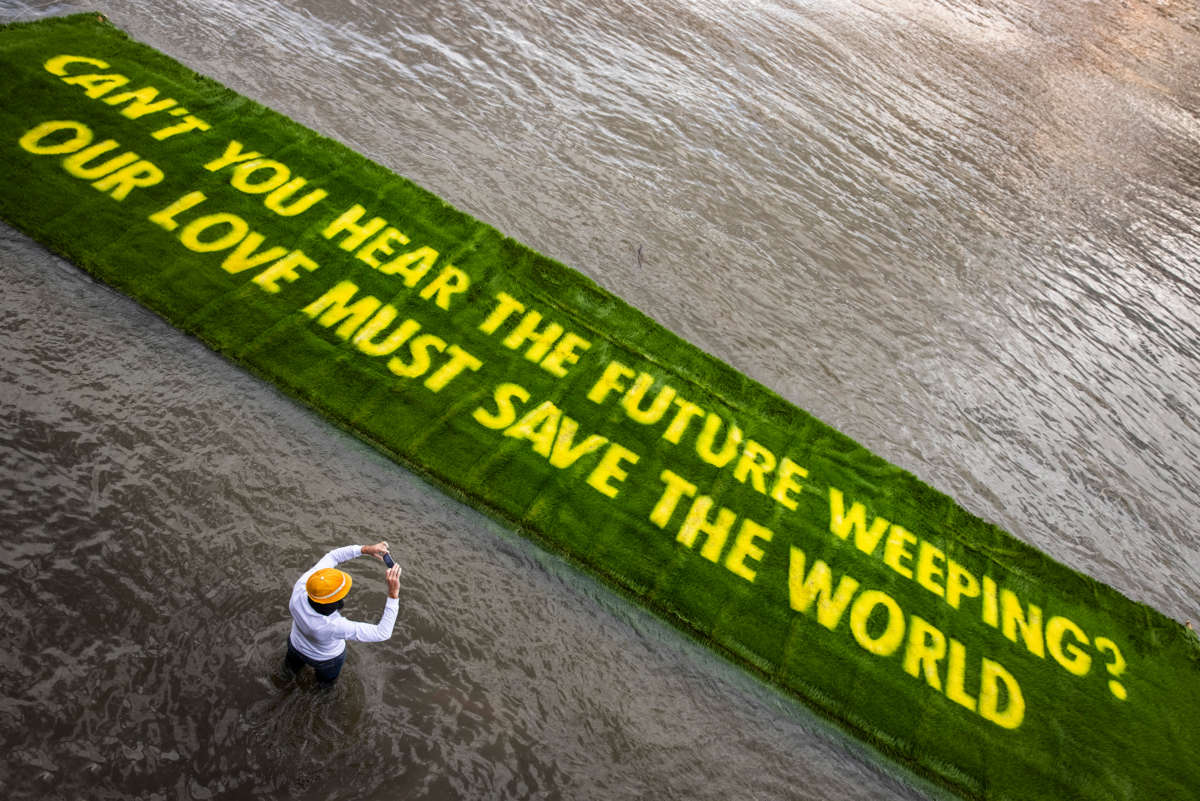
<point x="967" y="234"/>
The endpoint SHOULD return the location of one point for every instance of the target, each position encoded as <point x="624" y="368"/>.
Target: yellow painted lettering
<point x="41" y="139"/>
<point x="271" y="175"/>
<point x="277" y="201"/>
<point x="745" y="547"/>
<point x="896" y="552"/>
<point x="140" y="102"/>
<point x="506" y="306"/>
<point x="166" y="217"/>
<point x="333" y="308"/>
<point x="58" y="64"/>
<point x="817" y="586"/>
<point x="688" y="411"/>
<point x="420" y="360"/>
<point x="676" y="487"/>
<point x="705" y="442"/>
<point x="450" y="281"/>
<point x="956" y="675"/>
<point x="77" y="164"/>
<point x="787" y="485"/>
<point x="754" y="463"/>
<point x="284" y="270"/>
<point x="542" y="338"/>
<point x="506" y="411"/>
<point x="715" y="531"/>
<point x="1013" y="616"/>
<point x="190" y="123"/>
<point x="459" y="360"/>
<point x="841" y="523"/>
<point x="191" y="237"/>
<point x="565" y="452"/>
<point x="960" y="583"/>
<point x="991" y="606"/>
<point x="97" y="85"/>
<point x="364" y="338"/>
<point x="1076" y="660"/>
<point x="926" y="647"/>
<point x="997" y="681"/>
<point x="348" y="224"/>
<point x="1107" y="647"/>
<point x="411" y="266"/>
<point x="381" y="245"/>
<point x="243" y="257"/>
<point x="120" y="183"/>
<point x="886" y="643"/>
<point x="566" y="351"/>
<point x="928" y="570"/>
<point x="632" y="400"/>
<point x="234" y="154"/>
<point x="611" y="469"/>
<point x="610" y="380"/>
<point x="538" y="426"/>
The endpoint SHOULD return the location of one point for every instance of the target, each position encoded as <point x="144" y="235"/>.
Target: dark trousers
<point x="327" y="669"/>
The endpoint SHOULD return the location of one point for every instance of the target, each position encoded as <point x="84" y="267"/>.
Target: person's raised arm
<point x="365" y="632"/>
<point x="337" y="556"/>
<point x="377" y="550"/>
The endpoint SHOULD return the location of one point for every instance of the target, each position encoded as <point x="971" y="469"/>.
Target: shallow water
<point x="966" y="234"/>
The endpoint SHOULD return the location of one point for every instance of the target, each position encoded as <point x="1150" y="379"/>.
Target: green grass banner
<point x="526" y="390"/>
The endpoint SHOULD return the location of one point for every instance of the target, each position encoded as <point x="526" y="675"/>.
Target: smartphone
<point x="387" y="560"/>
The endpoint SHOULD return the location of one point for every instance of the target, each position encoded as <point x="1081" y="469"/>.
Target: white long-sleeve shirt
<point x="323" y="637"/>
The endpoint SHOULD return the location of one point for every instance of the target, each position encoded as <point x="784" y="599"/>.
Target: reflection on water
<point x="965" y="234"/>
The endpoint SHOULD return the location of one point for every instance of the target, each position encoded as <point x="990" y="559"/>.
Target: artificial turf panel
<point x="534" y="395"/>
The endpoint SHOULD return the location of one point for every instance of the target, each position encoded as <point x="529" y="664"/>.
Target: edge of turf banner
<point x="525" y="389"/>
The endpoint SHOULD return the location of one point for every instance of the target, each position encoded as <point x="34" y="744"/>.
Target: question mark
<point x="1116" y="668"/>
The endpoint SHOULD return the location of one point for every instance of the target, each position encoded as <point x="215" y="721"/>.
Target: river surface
<point x="965" y="234"/>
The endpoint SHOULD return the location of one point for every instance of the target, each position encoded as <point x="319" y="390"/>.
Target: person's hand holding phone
<point x="379" y="550"/>
<point x="393" y="581"/>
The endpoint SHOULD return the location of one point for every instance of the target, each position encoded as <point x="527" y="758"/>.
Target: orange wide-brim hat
<point x="328" y="585"/>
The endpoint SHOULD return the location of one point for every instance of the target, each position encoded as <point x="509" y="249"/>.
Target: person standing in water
<point x="319" y="632"/>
